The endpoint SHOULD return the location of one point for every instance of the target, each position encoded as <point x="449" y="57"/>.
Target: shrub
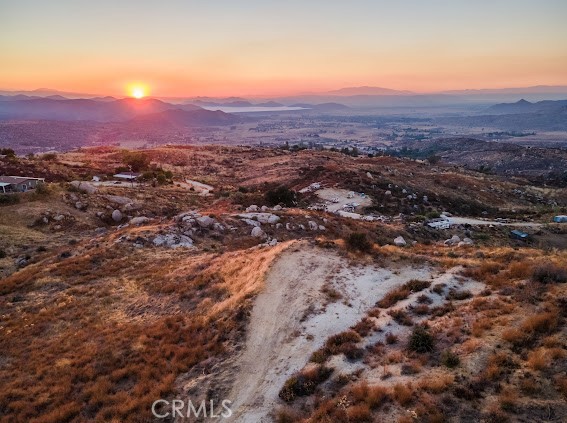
<point x="318" y="356"/>
<point x="549" y="273"/>
<point x="135" y="160"/>
<point x="421" y="341"/>
<point x="538" y="359"/>
<point x="304" y="383"/>
<point x="9" y="199"/>
<point x="2" y="254"/>
<point x="364" y="327"/>
<point x="335" y="343"/>
<point x="424" y="299"/>
<point x="393" y="297"/>
<point x="50" y="157"/>
<point x="420" y="309"/>
<point x="359" y="413"/>
<point x="416" y="285"/>
<point x="357" y="241"/>
<point x="373" y="396"/>
<point x="402" y="292"/>
<point x="401" y="317"/>
<point x="391" y="338"/>
<point x="450" y="359"/>
<point x="287" y="415"/>
<point x="458" y="295"/>
<point x="281" y="195"/>
<point x="438" y="288"/>
<point x="402" y="394"/>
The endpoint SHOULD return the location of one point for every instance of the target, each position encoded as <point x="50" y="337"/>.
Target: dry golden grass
<point x="437" y="383"/>
<point x="103" y="349"/>
<point x="403" y="394"/>
<point x="480" y="326"/>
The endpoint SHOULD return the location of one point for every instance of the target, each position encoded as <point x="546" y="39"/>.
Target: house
<point x="560" y="219"/>
<point x="127" y="176"/>
<point x="18" y="183"/>
<point x="519" y="234"/>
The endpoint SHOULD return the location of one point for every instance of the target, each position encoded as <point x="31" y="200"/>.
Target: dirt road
<point x="290" y="320"/>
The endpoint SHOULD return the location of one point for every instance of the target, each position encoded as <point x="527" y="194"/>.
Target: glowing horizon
<point x="190" y="48"/>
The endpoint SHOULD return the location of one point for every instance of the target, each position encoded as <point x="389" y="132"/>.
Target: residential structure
<point x="18" y="183"/>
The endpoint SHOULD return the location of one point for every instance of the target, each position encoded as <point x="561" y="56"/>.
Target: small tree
<point x="433" y="159"/>
<point x="357" y="241"/>
<point x="421" y="341"/>
<point x="136" y="161"/>
<point x="281" y="195"/>
<point x="8" y="152"/>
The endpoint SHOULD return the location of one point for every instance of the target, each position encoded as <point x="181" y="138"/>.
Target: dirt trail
<point x="290" y="319"/>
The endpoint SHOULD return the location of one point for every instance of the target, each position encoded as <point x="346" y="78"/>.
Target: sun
<point x="137" y="91"/>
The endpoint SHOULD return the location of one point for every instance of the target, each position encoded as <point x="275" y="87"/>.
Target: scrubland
<point x="97" y="321"/>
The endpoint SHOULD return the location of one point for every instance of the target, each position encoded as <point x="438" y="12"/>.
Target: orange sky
<point x="252" y="47"/>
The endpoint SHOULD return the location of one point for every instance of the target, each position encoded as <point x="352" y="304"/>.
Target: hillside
<point x="115" y="295"/>
<point x="536" y="164"/>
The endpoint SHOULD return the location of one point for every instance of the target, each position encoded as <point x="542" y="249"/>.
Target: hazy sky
<point x="230" y="47"/>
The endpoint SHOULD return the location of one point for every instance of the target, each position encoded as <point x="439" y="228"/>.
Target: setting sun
<point x="138" y="91"/>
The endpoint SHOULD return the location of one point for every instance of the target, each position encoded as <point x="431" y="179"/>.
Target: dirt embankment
<point x="292" y="317"/>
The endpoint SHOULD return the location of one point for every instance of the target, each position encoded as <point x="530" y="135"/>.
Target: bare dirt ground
<point x="329" y="194"/>
<point x="292" y="318"/>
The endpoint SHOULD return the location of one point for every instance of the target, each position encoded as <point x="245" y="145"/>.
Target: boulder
<point x="313" y="225"/>
<point x="388" y="193"/>
<point x="252" y="222"/>
<point x="132" y="207"/>
<point x="273" y="242"/>
<point x="454" y="240"/>
<point x="400" y="241"/>
<point x="322" y="228"/>
<point x="80" y="205"/>
<point x="117" y="215"/>
<point x="218" y="227"/>
<point x="257" y="232"/>
<point x="140" y="220"/>
<point x="264" y="208"/>
<point x="261" y="217"/>
<point x="252" y="208"/>
<point x="205" y="221"/>
<point x="276" y="208"/>
<point x="84" y="187"/>
<point x="273" y="219"/>
<point x="117" y="199"/>
<point x="173" y="241"/>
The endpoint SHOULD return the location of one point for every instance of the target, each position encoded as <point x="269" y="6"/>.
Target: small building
<point x="127" y="176"/>
<point x="560" y="219"/>
<point x="516" y="233"/>
<point x="18" y="183"/>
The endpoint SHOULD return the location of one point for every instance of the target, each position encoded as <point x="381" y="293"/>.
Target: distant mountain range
<point x="99" y="110"/>
<point x="349" y="91"/>
<point x="519" y="116"/>
<point x="524" y="106"/>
